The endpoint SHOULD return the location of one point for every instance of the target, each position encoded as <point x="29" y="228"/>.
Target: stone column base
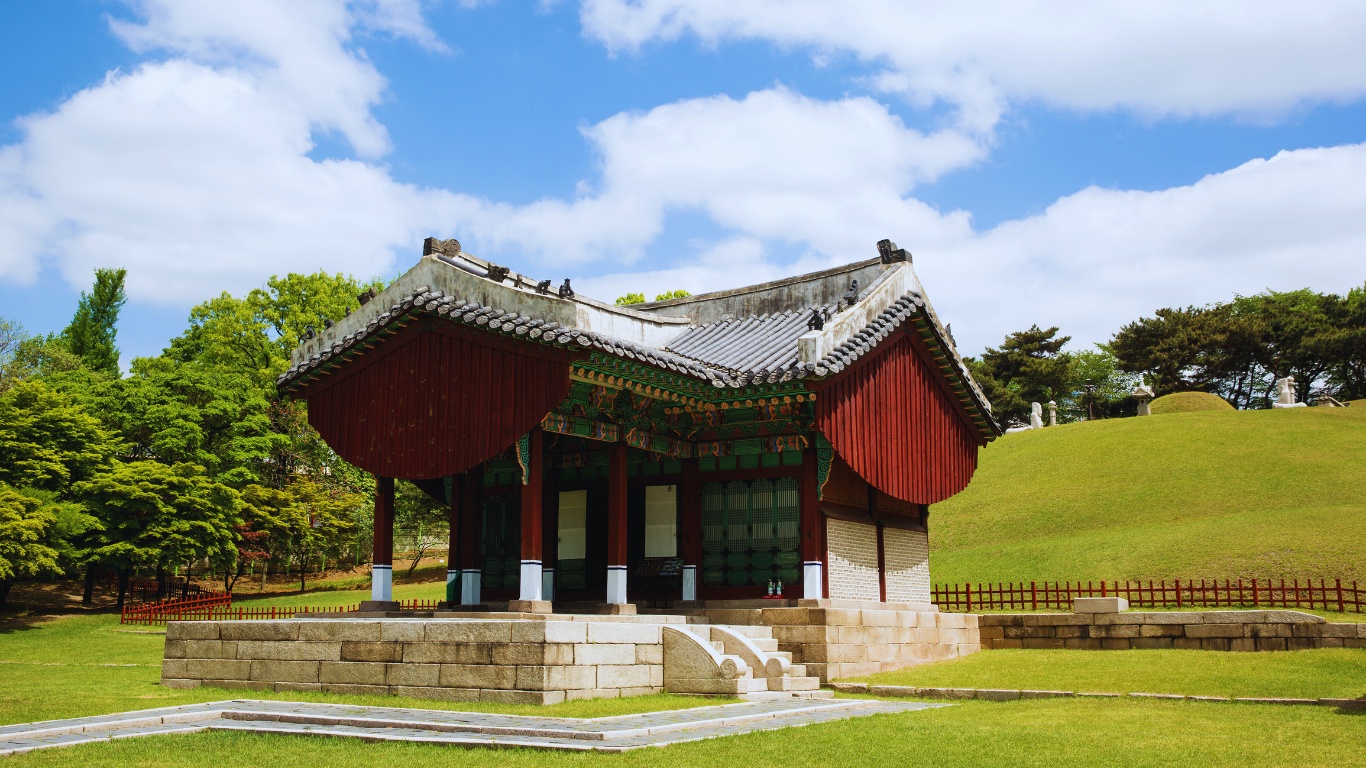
<point x="529" y="606"/>
<point x="379" y="605"/>
<point x="617" y="609"/>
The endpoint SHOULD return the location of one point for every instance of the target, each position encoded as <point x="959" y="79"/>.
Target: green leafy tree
<point x="158" y="516"/>
<point x="677" y="293"/>
<point x="26" y="525"/>
<point x="91" y="334"/>
<point x="419" y="514"/>
<point x="1110" y="389"/>
<point x="629" y="299"/>
<point x="1345" y="347"/>
<point x="48" y="441"/>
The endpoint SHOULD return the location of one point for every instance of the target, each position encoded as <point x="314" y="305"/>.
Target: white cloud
<point x="773" y="165"/>
<point x="193" y="172"/>
<point x="1102" y="257"/>
<point x="1157" y="57"/>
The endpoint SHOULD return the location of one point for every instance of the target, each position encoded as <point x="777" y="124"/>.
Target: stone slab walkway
<point x="469" y="729"/>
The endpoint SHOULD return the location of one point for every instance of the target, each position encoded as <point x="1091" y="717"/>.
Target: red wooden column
<point x="382" y="563"/>
<point x="616" y="526"/>
<point x="532" y="497"/>
<point x="452" y="541"/>
<point x="690" y="528"/>
<point x="471" y="512"/>
<point x="813" y="529"/>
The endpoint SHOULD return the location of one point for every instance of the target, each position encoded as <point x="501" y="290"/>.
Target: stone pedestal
<point x="377" y="606"/>
<point x="1099" y="605"/>
<point x="529" y="606"/>
<point x="617" y="609"/>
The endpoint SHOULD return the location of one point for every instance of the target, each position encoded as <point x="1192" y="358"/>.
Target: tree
<point x="25" y="525"/>
<point x="1345" y="347"/>
<point x="47" y="441"/>
<point x="418" y="512"/>
<point x="92" y="331"/>
<point x="629" y="299"/>
<point x="202" y="414"/>
<point x="677" y="293"/>
<point x="157" y="516"/>
<point x="1110" y="387"/>
<point x="1029" y="367"/>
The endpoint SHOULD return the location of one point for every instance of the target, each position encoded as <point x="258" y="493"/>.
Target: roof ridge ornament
<point x="890" y="253"/>
<point x="432" y="245"/>
<point x="565" y="291"/>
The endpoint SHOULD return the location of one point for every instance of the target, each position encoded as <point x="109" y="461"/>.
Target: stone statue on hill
<point x="1285" y="394"/>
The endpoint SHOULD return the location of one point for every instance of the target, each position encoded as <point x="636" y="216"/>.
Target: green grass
<point x="337" y="598"/>
<point x="1210" y="494"/>
<point x="1186" y="402"/>
<point x="90" y="665"/>
<point x="1321" y="673"/>
<point x="1028" y="734"/>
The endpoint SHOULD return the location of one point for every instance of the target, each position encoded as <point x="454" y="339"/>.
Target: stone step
<point x="798" y="670"/>
<point x="794" y="683"/>
<point x="752" y="631"/>
<point x="765" y="644"/>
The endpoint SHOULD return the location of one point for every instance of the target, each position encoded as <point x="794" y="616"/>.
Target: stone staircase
<point x="744" y="661"/>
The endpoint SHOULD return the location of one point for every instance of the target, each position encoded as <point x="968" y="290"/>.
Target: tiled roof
<point x="756" y="348"/>
<point x="424" y="301"/>
<point x="725" y="354"/>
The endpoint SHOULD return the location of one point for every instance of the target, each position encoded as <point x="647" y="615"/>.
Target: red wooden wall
<point x="892" y="419"/>
<point x="434" y="400"/>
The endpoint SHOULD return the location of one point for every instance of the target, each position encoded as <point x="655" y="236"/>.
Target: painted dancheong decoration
<point x="688" y="430"/>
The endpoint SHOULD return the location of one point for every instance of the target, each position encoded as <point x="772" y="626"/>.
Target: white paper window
<point x="573" y="527"/>
<point x="661" y="521"/>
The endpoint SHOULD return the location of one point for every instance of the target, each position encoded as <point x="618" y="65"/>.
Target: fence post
<point x="1178" y="593"/>
<point x="969" y="608"/>
<point x="1033" y="596"/>
<point x="1341" y="607"/>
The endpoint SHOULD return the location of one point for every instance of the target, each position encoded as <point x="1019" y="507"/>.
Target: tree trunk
<point x="124" y="573"/>
<point x="4" y="592"/>
<point x="88" y="596"/>
<point x="303" y="571"/>
<point x="265" y="570"/>
<point x="185" y="590"/>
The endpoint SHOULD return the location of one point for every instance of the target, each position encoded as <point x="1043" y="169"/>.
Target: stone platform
<point x="467" y="729"/>
<point x="508" y="657"/>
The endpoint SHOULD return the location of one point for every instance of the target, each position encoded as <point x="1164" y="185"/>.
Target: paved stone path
<point x="607" y="734"/>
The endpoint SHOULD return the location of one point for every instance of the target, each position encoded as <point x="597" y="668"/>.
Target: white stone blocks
<point x="1100" y="605"/>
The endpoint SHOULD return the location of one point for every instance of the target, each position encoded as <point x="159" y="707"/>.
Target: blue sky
<point x="1061" y="167"/>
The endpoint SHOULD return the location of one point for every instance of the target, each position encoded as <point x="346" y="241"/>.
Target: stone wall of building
<point x="1203" y="630"/>
<point x="510" y="661"/>
<point x="837" y="639"/>
<point x="906" y="556"/>
<point x="853" y="573"/>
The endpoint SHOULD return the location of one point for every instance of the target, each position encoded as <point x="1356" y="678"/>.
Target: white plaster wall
<point x="853" y="560"/>
<point x="906" y="555"/>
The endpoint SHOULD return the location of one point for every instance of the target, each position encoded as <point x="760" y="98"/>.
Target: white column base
<point x="616" y="584"/>
<point x="689" y="582"/>
<point x="547" y="583"/>
<point x="469" y="586"/>
<point x="382" y="582"/>
<point x="530" y="583"/>
<point x="813" y="580"/>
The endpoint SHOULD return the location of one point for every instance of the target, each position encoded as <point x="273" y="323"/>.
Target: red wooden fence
<point x="1188" y="593"/>
<point x="220" y="608"/>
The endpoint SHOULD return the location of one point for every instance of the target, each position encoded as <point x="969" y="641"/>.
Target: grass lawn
<point x="1210" y="494"/>
<point x="1046" y="734"/>
<point x="90" y="665"/>
<point x="1320" y="673"/>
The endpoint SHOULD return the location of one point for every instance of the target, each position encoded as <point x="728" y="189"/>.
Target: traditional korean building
<point x="785" y="437"/>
